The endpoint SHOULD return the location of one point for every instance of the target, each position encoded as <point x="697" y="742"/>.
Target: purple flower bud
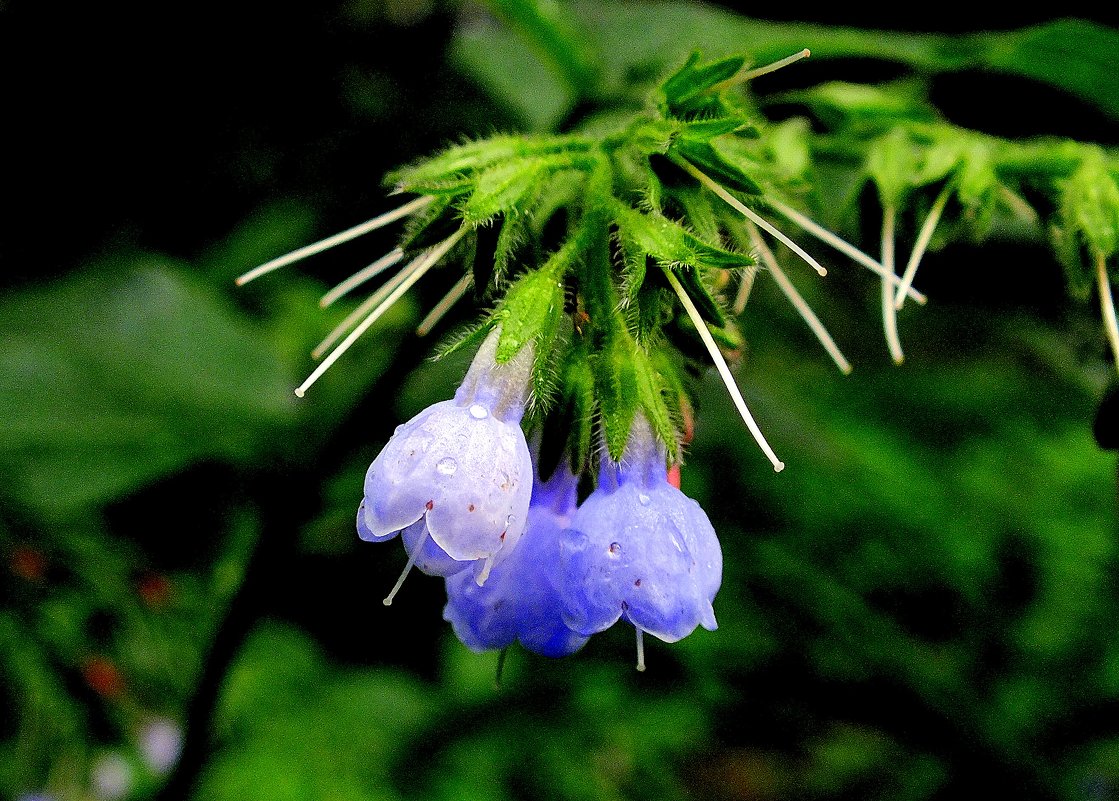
<point x="641" y="550"/>
<point x="457" y="477"/>
<point x="521" y="600"/>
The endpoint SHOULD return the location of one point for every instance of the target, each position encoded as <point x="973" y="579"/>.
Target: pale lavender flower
<point x="520" y="600"/>
<point x="457" y="477"/>
<point x="638" y="549"/>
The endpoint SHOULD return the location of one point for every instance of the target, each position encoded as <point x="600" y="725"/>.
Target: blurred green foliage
<point x="921" y="606"/>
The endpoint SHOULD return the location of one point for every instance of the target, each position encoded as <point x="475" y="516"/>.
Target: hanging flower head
<point x="638" y="549"/>
<point x="457" y="477"/>
<point x="520" y="600"/>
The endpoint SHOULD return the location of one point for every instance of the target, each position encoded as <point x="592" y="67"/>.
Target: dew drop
<point x="478" y="411"/>
<point x="510" y="520"/>
<point x="643" y="499"/>
<point x="447" y="466"/>
<point x="615" y="549"/>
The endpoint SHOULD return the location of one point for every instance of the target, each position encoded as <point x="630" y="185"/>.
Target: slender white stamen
<point x="889" y="311"/>
<point x="487" y="566"/>
<point x="407" y="568"/>
<point x="369" y="303"/>
<point x="745" y="284"/>
<point x="749" y="75"/>
<point x="922" y="244"/>
<point x="362" y="275"/>
<point x="750" y="214"/>
<point x="813" y="228"/>
<point x="724" y="370"/>
<point x="797" y="300"/>
<point x="1018" y="204"/>
<point x="442" y="307"/>
<point x="336" y="239"/>
<point x="1107" y="307"/>
<point x="640" y="651"/>
<point x="776" y="65"/>
<point x="433" y="256"/>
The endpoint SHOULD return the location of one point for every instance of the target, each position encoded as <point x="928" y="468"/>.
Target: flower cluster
<point x="617" y="255"/>
<point x="455" y="482"/>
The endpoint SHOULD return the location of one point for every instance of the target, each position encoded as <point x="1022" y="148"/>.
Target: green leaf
<point x="1073" y="55"/>
<point x="112" y="379"/>
<point x="560" y="39"/>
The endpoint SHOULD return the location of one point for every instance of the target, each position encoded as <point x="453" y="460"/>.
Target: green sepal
<point x="893" y="162"/>
<point x="976" y="187"/>
<point x="652" y="136"/>
<point x="704" y="156"/>
<point x="1089" y="204"/>
<point x="616" y="384"/>
<point x="698" y="210"/>
<point x="706" y="130"/>
<point x="1045" y="160"/>
<point x="687" y="92"/>
<point x="453" y="171"/>
<point x="652" y="309"/>
<point x="652" y="235"/>
<point x="571" y="423"/>
<point x="693" y="284"/>
<point x="481" y="261"/>
<point x="513" y="235"/>
<point x="531" y="307"/>
<point x="511" y="187"/>
<point x="469" y="336"/>
<point x="500" y="189"/>
<point x="651" y="389"/>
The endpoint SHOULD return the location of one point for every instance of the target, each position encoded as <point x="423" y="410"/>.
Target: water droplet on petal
<point x="447" y="466"/>
<point x="643" y="499"/>
<point x="510" y="520"/>
<point x="478" y="411"/>
<point x="615" y="550"/>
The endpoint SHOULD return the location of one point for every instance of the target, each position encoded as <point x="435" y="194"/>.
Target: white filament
<point x="750" y="214"/>
<point x="749" y="75"/>
<point x="443" y="306"/>
<point x="370" y="302"/>
<point x="745" y="284"/>
<point x="1107" y="307"/>
<point x="889" y="311"/>
<point x="921" y="245"/>
<point x="724" y="370"/>
<point x="433" y="256"/>
<point x="640" y="650"/>
<point x="407" y="568"/>
<point x="813" y="228"/>
<point x="797" y="300"/>
<point x="336" y="239"/>
<point x="361" y="276"/>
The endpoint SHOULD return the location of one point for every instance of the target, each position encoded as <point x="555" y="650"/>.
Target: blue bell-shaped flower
<point x="457" y="477"/>
<point x="638" y="549"/>
<point x="521" y="598"/>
